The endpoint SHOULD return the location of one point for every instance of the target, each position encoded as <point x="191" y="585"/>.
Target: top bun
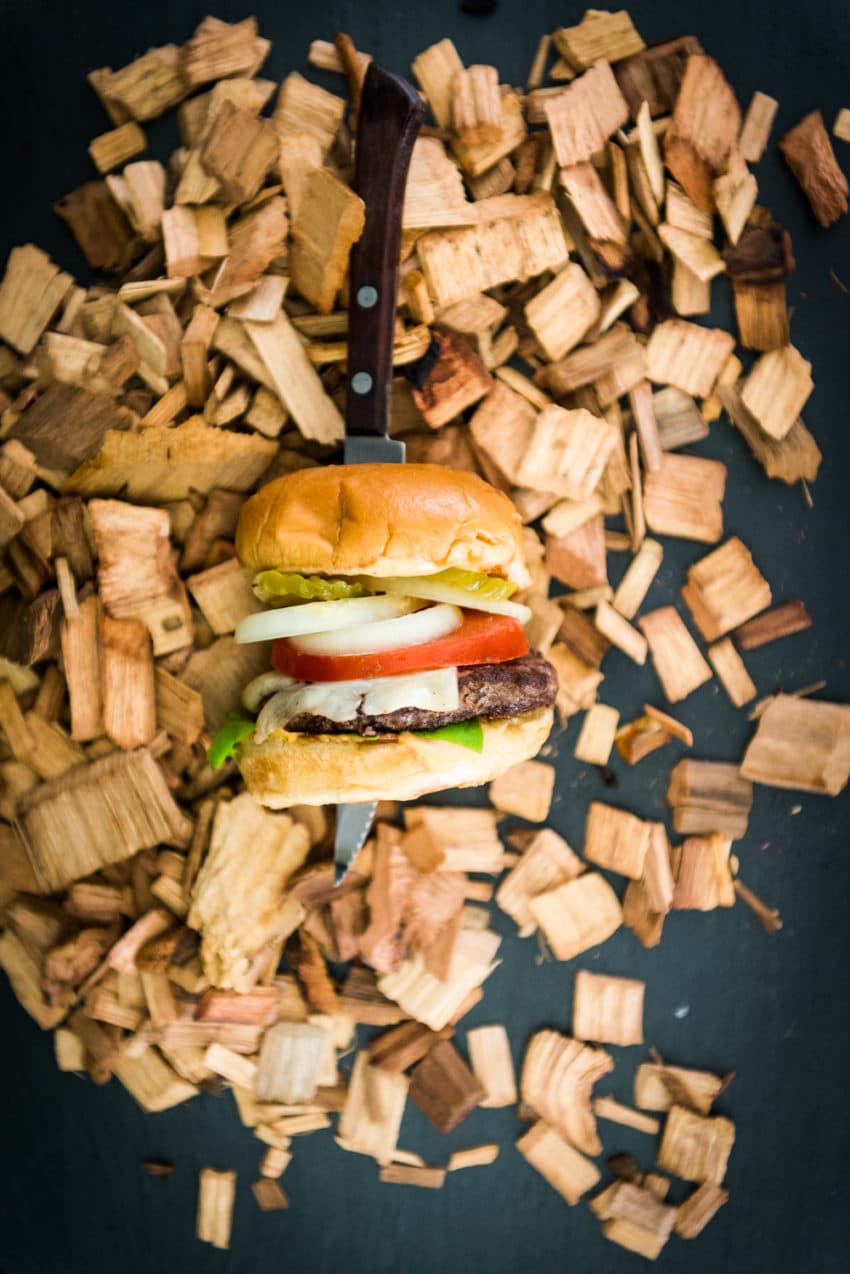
<point x="381" y="519"/>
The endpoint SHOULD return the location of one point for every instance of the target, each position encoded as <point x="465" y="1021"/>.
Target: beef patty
<point x="486" y="690"/>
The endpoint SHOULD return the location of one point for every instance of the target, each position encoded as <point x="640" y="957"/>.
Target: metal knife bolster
<point x="363" y="449"/>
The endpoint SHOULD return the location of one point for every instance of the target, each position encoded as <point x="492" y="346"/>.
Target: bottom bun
<point x="326" y="769"/>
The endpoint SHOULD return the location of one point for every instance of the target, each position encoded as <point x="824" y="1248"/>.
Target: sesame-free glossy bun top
<point x="381" y="519"/>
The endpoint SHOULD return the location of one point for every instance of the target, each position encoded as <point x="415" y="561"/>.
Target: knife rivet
<point x="361" y="382"/>
<point x="367" y="296"/>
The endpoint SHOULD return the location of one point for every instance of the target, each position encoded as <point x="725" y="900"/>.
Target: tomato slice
<point x="481" y="639"/>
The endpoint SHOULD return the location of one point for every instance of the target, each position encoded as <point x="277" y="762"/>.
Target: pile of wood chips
<point x="558" y="243"/>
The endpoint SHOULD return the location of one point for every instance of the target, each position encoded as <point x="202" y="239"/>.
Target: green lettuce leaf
<point x="468" y="734"/>
<point x="288" y="586"/>
<point x="223" y="746"/>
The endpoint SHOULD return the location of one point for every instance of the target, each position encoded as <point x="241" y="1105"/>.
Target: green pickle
<point x="486" y="586"/>
<point x="284" y="586"/>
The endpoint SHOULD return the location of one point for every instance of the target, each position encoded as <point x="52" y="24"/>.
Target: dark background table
<point x="720" y="992"/>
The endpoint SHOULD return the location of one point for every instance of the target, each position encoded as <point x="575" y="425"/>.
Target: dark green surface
<point x="720" y="992"/>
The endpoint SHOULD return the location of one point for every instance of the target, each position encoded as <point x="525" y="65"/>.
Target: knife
<point x="390" y="114"/>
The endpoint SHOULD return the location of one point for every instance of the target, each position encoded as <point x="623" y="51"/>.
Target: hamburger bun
<point x="381" y="519"/>
<point x="323" y="769"/>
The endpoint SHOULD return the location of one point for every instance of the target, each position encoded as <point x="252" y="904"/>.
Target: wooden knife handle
<point x="390" y="114"/>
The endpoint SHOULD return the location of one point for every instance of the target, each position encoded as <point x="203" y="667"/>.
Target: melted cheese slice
<point x="339" y="701"/>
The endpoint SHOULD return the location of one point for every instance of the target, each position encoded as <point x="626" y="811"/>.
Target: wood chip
<point x="566" y="453"/>
<point x="658" y="1087"/>
<point x="585" y="114"/>
<point x="476" y="105"/>
<point x="703" y="874"/>
<point x="138" y="576"/>
<point x="637" y="580"/>
<point x="561" y="313"/>
<point x="709" y="796"/>
<point x="615" y="1112"/>
<point x="236" y="902"/>
<point x="778" y="621"/>
<point x="616" y="840"/>
<point x="492" y="1065"/>
<point x="777" y="389"/>
<point x="329" y="220"/>
<point x="295" y="380"/>
<point x="163" y="465"/>
<point x="620" y="633"/>
<point x="841" y="126"/>
<point x="699" y="256"/>
<point x="566" y="1170"/>
<point x="595" y="208"/>
<point x="517" y="236"/>
<point x="800" y="744"/>
<point x="761" y="314"/>
<point x="444" y="1088"/>
<point x="687" y="356"/>
<point x="303" y="107"/>
<point x="525" y="789"/>
<point x="809" y="154"/>
<point x="655" y="74"/>
<point x="596" y="737"/>
<point x="373" y="1110"/>
<point x="456" y="380"/>
<point x="474" y="1157"/>
<point x="636" y="1219"/>
<point x="476" y="158"/>
<point x="129" y="707"/>
<point x="403" y="1175"/>
<point x="467" y="838"/>
<point x="269" y="1195"/>
<point x="401" y="1047"/>
<point x="112" y="149"/>
<point x="755" y="130"/>
<point x="546" y="862"/>
<point x="704" y="128"/>
<point x="151" y="1081"/>
<point x="32" y="290"/>
<point x="695" y="1147"/>
<point x="685" y="498"/>
<point x="274" y="1162"/>
<point x="289" y="1065"/>
<point x="694" y="1214"/>
<point x="577" y="915"/>
<point x="216" y="1197"/>
<point x="579" y="559"/>
<point x="794" y="457"/>
<point x="680" y="667"/>
<point x="725" y="589"/>
<point x="434" y="1001"/>
<point x="599" y="35"/>
<point x="434" y="195"/>
<point x="607" y="1010"/>
<point x="731" y="672"/>
<point x="735" y="195"/>
<point x="66" y="841"/>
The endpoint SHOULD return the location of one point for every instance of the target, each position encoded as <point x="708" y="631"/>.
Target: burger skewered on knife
<point x="399" y="663"/>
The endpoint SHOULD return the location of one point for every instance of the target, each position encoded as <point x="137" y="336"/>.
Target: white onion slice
<point x="392" y="634"/>
<point x="320" y="617"/>
<point x="436" y="591"/>
<point x="261" y="687"/>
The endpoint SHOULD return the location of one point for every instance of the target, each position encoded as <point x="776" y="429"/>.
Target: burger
<point x="399" y="663"/>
